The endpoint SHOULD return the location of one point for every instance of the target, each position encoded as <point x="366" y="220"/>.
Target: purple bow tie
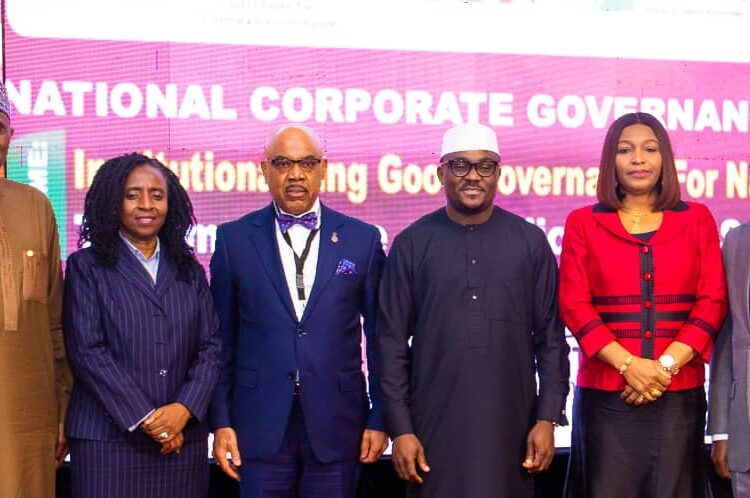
<point x="286" y="221"/>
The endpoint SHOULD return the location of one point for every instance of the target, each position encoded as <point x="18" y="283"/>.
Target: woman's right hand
<point x="648" y="378"/>
<point x="174" y="445"/>
<point x="632" y="397"/>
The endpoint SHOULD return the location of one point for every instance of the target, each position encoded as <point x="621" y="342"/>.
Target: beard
<point x="473" y="208"/>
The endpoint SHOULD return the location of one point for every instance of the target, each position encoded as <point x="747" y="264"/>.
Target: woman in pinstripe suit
<point x="141" y="333"/>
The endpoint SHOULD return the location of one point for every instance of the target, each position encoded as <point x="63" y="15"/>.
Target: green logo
<point x="38" y="159"/>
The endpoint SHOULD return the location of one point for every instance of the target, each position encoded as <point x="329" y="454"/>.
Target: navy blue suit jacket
<point x="264" y="343"/>
<point x="134" y="346"/>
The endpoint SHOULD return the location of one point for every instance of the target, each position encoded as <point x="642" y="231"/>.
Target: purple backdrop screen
<point x="202" y="90"/>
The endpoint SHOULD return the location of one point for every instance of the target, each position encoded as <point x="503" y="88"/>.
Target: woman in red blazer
<point x="642" y="289"/>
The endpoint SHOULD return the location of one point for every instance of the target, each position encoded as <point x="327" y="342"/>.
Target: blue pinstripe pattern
<point x="112" y="469"/>
<point x="134" y="346"/>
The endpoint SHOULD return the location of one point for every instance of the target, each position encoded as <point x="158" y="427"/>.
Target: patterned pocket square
<point x="346" y="267"/>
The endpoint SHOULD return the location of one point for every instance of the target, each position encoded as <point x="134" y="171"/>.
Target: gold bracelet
<point x="624" y="366"/>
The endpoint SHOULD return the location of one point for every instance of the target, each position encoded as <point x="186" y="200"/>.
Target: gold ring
<point x="655" y="392"/>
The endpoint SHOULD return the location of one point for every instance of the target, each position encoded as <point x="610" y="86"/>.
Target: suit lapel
<point x="741" y="285"/>
<point x="607" y="218"/>
<point x="166" y="275"/>
<point x="134" y="272"/>
<point x="672" y="224"/>
<point x="329" y="254"/>
<point x="262" y="235"/>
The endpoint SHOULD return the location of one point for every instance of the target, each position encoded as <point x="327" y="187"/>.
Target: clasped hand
<point x="647" y="381"/>
<point x="167" y="420"/>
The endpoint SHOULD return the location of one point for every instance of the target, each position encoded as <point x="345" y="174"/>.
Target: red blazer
<point x="615" y="287"/>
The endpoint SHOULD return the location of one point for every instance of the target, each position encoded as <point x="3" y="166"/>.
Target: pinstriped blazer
<point x="135" y="346"/>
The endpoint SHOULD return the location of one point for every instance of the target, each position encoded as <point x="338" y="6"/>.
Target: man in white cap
<point x="35" y="380"/>
<point x="474" y="288"/>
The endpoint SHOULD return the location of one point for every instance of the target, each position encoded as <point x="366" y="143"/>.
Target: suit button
<point x="290" y="376"/>
<point x="647" y="304"/>
<point x="162" y="373"/>
<point x="301" y="332"/>
<point x="644" y="249"/>
<point x="647" y="276"/>
<point x="648" y="334"/>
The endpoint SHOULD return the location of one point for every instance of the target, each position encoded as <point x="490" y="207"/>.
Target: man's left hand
<point x="168" y="419"/>
<point x="720" y="459"/>
<point x="540" y="447"/>
<point x="373" y="445"/>
<point x="61" y="447"/>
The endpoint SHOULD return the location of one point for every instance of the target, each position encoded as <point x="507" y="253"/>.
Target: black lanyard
<point x="299" y="261"/>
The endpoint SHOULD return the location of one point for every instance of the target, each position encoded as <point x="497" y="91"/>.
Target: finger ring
<point x="655" y="392"/>
<point x="164" y="435"/>
<point x="640" y="398"/>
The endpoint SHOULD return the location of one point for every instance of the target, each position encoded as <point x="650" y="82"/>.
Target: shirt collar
<point x="138" y="254"/>
<point x="315" y="209"/>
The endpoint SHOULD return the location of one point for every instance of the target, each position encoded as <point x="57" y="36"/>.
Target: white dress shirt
<point x="298" y="235"/>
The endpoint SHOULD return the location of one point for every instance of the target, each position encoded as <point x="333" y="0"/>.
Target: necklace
<point x="635" y="219"/>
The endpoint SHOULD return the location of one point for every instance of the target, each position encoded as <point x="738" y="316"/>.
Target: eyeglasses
<point x="306" y="163"/>
<point x="462" y="167"/>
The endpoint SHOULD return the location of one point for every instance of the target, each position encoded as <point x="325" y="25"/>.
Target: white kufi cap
<point x="470" y="136"/>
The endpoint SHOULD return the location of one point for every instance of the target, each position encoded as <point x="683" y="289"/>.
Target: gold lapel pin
<point x="334" y="237"/>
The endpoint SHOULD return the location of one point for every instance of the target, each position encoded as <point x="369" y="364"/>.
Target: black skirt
<point x="649" y="451"/>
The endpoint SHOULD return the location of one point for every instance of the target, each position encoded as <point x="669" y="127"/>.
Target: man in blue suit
<point x="295" y="283"/>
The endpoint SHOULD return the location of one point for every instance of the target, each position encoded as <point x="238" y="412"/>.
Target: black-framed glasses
<point x="308" y="163"/>
<point x="461" y="167"/>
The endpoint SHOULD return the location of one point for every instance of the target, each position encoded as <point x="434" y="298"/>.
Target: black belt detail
<point x="648" y="315"/>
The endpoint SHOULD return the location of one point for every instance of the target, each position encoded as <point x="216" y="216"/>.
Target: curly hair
<point x="102" y="214"/>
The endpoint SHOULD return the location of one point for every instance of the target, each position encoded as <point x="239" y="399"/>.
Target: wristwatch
<point x="669" y="364"/>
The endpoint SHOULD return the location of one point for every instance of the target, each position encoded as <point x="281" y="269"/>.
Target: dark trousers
<point x="624" y="451"/>
<point x="295" y="472"/>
